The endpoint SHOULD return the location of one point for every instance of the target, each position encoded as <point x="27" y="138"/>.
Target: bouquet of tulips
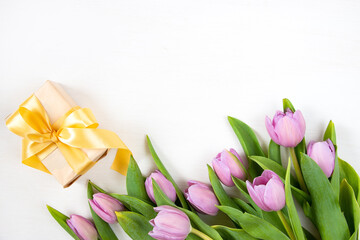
<point x="324" y="187"/>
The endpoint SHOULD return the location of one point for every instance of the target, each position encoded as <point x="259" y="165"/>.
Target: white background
<point x="173" y="70"/>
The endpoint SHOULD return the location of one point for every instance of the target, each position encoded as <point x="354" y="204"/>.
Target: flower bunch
<point x="325" y="187"/>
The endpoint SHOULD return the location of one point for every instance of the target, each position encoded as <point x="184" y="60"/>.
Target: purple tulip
<point x="323" y="153"/>
<point x="227" y="164"/>
<point x="267" y="191"/>
<point x="170" y="224"/>
<point x="202" y="197"/>
<point x="82" y="227"/>
<point x="286" y="129"/>
<point x="105" y="207"/>
<point x="165" y="185"/>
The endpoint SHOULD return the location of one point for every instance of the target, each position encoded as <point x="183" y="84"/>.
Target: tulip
<point x="82" y="227"/>
<point x="267" y="191"/>
<point x="165" y="185"/>
<point x="323" y="153"/>
<point x="202" y="197"/>
<point x="105" y="207"/>
<point x="227" y="164"/>
<point x="286" y="129"/>
<point x="170" y="223"/>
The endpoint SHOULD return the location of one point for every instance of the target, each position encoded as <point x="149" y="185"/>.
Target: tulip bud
<point x="202" y="197"/>
<point x="164" y="184"/>
<point x="105" y="207"/>
<point x="82" y="227"/>
<point x="170" y="223"/>
<point x="227" y="164"/>
<point x="323" y="153"/>
<point x="267" y="191"/>
<point x="286" y="129"/>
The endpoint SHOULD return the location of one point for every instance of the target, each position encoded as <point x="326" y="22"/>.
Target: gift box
<point x="60" y="138"/>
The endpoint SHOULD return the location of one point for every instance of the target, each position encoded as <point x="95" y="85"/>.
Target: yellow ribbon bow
<point x="75" y="130"/>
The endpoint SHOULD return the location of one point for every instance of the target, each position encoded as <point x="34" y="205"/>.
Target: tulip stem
<point x="200" y="234"/>
<point x="298" y="173"/>
<point x="286" y="225"/>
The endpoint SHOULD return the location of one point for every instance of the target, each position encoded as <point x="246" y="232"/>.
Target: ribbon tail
<point x="121" y="161"/>
<point x="76" y="158"/>
<point x="36" y="163"/>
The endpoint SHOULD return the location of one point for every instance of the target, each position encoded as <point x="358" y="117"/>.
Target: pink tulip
<point x="105" y="207"/>
<point x="170" y="224"/>
<point x="227" y="164"/>
<point x="267" y="191"/>
<point x="286" y="129"/>
<point x="82" y="227"/>
<point x="202" y="197"/>
<point x="164" y="184"/>
<point x="323" y="153"/>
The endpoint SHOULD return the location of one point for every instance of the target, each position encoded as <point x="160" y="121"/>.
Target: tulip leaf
<point x="292" y="212"/>
<point x="287" y="104"/>
<point x="137" y="204"/>
<point x="241" y="185"/>
<point x="269" y="164"/>
<point x="163" y="170"/>
<point x="192" y="236"/>
<point x="330" y="133"/>
<point x="201" y="225"/>
<point x="347" y="172"/>
<point x="249" y="143"/>
<point x="160" y="196"/>
<point x="135" y="225"/>
<point x="104" y="229"/>
<point x="255" y="226"/>
<point x="135" y="182"/>
<point x="232" y="233"/>
<point x="349" y="206"/>
<point x="328" y="217"/>
<point x="61" y="219"/>
<point x="97" y="187"/>
<point x="246" y="207"/>
<point x="219" y="191"/>
<point x="274" y="152"/>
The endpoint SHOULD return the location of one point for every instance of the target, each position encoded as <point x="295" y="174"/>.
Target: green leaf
<point x="274" y="152"/>
<point x="139" y="205"/>
<point x="163" y="170"/>
<point x="135" y="225"/>
<point x="246" y="207"/>
<point x="232" y="233"/>
<point x="335" y="178"/>
<point x="287" y="104"/>
<point x="293" y="215"/>
<point x="61" y="219"/>
<point x="349" y="206"/>
<point x="192" y="236"/>
<point x="328" y="217"/>
<point x="104" y="229"/>
<point x="241" y="186"/>
<point x="219" y="191"/>
<point x="255" y="226"/>
<point x="160" y="196"/>
<point x="330" y="133"/>
<point x="269" y="164"/>
<point x="97" y="187"/>
<point x="201" y="225"/>
<point x="135" y="182"/>
<point x="347" y="172"/>
<point x="249" y="143"/>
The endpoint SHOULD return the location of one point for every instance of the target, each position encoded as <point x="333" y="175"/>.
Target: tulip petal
<point x="288" y="132"/>
<point x="274" y="196"/>
<point x="271" y="130"/>
<point x="223" y="172"/>
<point x="107" y="217"/>
<point x="268" y="174"/>
<point x="256" y="197"/>
<point x="203" y="199"/>
<point x="243" y="161"/>
<point x="301" y="121"/>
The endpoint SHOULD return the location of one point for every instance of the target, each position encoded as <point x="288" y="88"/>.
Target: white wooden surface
<point x="173" y="70"/>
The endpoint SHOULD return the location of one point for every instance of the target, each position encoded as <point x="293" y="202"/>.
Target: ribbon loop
<point x="75" y="130"/>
